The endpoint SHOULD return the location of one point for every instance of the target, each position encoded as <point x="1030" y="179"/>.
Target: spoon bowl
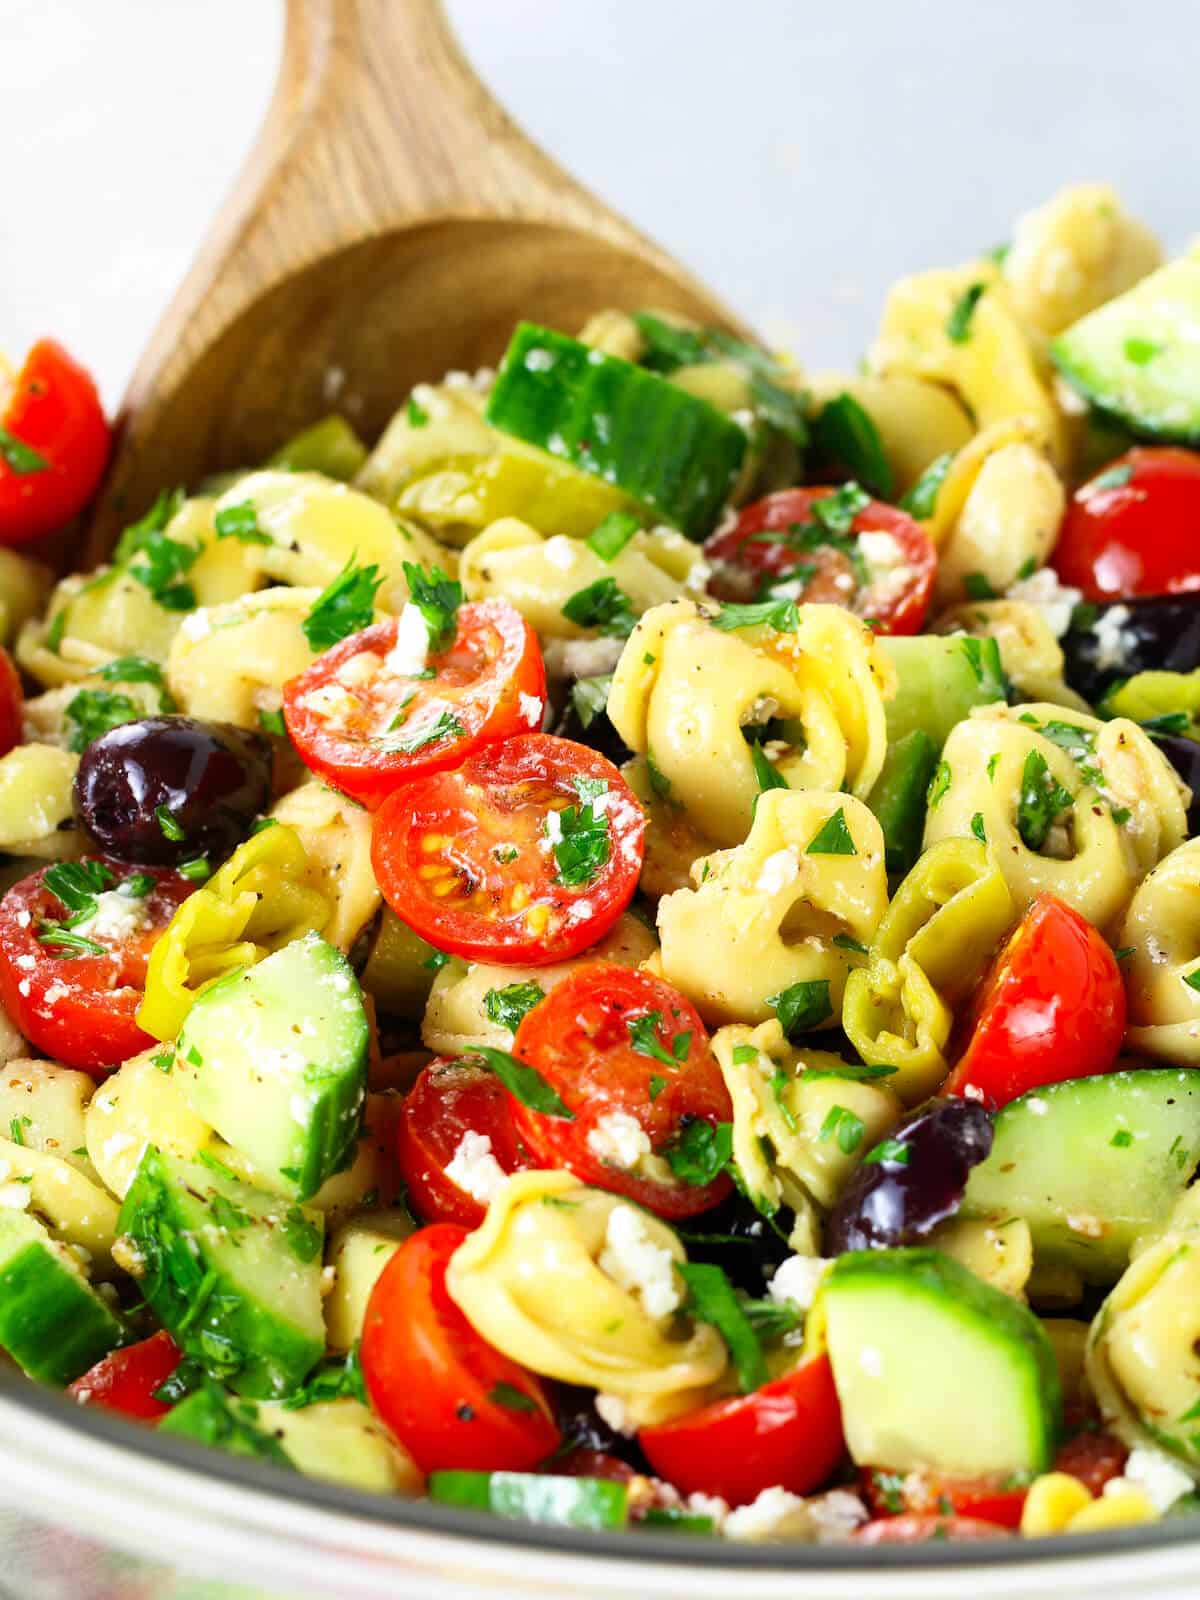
<point x="391" y="224"/>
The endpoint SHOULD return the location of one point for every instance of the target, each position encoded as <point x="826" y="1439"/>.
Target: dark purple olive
<point x="901" y="1198"/>
<point x="1184" y="756"/>
<point x="1158" y="634"/>
<point x="583" y="1428"/>
<point x="736" y="1237"/>
<point x="164" y="789"/>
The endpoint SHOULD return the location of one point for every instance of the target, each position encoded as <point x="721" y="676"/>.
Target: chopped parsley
<point x="589" y="698"/>
<point x="196" y="870"/>
<point x="505" y="1007"/>
<point x="962" y="313"/>
<point x="1122" y="1139"/>
<point x="983" y="658"/>
<point x="1192" y="979"/>
<point x="766" y="776"/>
<point x="602" y="605"/>
<point x="94" y="712"/>
<point x="437" y="598"/>
<point x="19" y="457"/>
<point x="921" y="499"/>
<point x="444" y="726"/>
<point x="745" y="1055"/>
<point x="1041" y="800"/>
<point x="169" y="825"/>
<point x="660" y="784"/>
<point x="978" y="828"/>
<point x="938" y="784"/>
<point x="155" y="520"/>
<point x="67" y="944"/>
<point x="832" y="838"/>
<point x="159" y="567"/>
<point x="700" y="1152"/>
<point x="643" y="1036"/>
<point x="580" y="841"/>
<point x="303" y="1237"/>
<point x="845" y="434"/>
<point x="978" y="587"/>
<point x="610" y="537"/>
<point x="346" y="605"/>
<point x="781" y="615"/>
<point x="16" y="1129"/>
<point x="240" y="522"/>
<point x="855" y="1072"/>
<point x="844" y="942"/>
<point x="333" y="1380"/>
<point x="891" y="1150"/>
<point x="802" y="1005"/>
<point x="843" y="1125"/>
<point x="523" y="1082"/>
<point x="416" y="414"/>
<point x="510" y="1397"/>
<point x="76" y="884"/>
<point x="711" y="1299"/>
<point x="272" y="722"/>
<point x="1140" y="352"/>
<point x="138" y="669"/>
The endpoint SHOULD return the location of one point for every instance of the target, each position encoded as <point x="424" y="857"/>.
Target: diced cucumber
<point x="535" y="1497"/>
<point x="52" y="1322"/>
<point x="210" y="1416"/>
<point x="359" y="1251"/>
<point x="330" y="446"/>
<point x="1137" y="358"/>
<point x="666" y="449"/>
<point x="941" y="677"/>
<point x="233" y="1273"/>
<point x="918" y="1345"/>
<point x="340" y="1441"/>
<point x="275" y="1059"/>
<point x="898" y="798"/>
<point x="1091" y="1163"/>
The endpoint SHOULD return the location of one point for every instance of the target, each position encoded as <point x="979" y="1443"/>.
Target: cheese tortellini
<point x="229" y="663"/>
<point x="578" y="1284"/>
<point x="946" y="919"/>
<point x="36" y="813"/>
<point x="1008" y="523"/>
<point x="1162" y="974"/>
<point x="1030" y="653"/>
<point x="1068" y="805"/>
<point x="783" y="908"/>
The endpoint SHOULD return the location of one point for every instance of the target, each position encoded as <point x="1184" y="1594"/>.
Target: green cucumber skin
<point x="898" y="798"/>
<point x="937" y="684"/>
<point x="534" y="1497"/>
<point x="1078" y="1173"/>
<point x="274" y="1357"/>
<point x="672" y="452"/>
<point x="53" y="1325"/>
<point x="209" y="1417"/>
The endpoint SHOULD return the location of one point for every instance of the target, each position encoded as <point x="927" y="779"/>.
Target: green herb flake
<point x="781" y="615"/>
<point x="272" y="722"/>
<point x="1123" y="952"/>
<point x="1192" y="979"/>
<point x="196" y="870"/>
<point x="589" y="698"/>
<point x="1042" y="798"/>
<point x="416" y="415"/>
<point x="832" y="838"/>
<point x="843" y="1125"/>
<point x="660" y="784"/>
<point x="510" y="1397"/>
<point x="346" y="605"/>
<point x="506" y="1007"/>
<point x="168" y="824"/>
<point x="20" y="458"/>
<point x="643" y="1036"/>
<point x="164" y="1060"/>
<point x="843" y="941"/>
<point x="977" y="587"/>
<point x="138" y="669"/>
<point x="745" y="1055"/>
<point x="523" y="1082"/>
<point x="437" y="597"/>
<point x="711" y="1299"/>
<point x="94" y="712"/>
<point x="802" y="1006"/>
<point x="77" y="883"/>
<point x="656" y="1086"/>
<point x="580" y="842"/>
<point x="853" y="1072"/>
<point x="939" y="784"/>
<point x="921" y="499"/>
<point x="303" y="1237"/>
<point x="978" y="828"/>
<point x="992" y="763"/>
<point x="436" y="961"/>
<point x="1122" y="1139"/>
<point x="962" y="313"/>
<point x="16" y="1129"/>
<point x="890" y="1150"/>
<point x="1121" y="815"/>
<point x="700" y="1151"/>
<point x="845" y="434"/>
<point x="1140" y="352"/>
<point x="765" y="775"/>
<point x="66" y="944"/>
<point x="610" y="537"/>
<point x="240" y="522"/>
<point x="602" y="605"/>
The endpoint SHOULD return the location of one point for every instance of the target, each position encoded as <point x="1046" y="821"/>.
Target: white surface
<point x="799" y="155"/>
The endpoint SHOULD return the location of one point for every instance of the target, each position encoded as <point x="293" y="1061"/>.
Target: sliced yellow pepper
<point x="258" y="902"/>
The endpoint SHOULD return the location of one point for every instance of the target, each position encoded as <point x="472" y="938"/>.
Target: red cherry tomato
<point x="53" y="444"/>
<point x="918" y="1493"/>
<point x="79" y="1005"/>
<point x="1051" y="1006"/>
<point x="1094" y="1457"/>
<point x="921" y="1529"/>
<point x="777" y="541"/>
<point x="125" y="1381"/>
<point x="447" y="1395"/>
<point x="12" y="703"/>
<point x="1134" y="529"/>
<point x="467" y="859"/>
<point x="367" y="727"/>
<point x="449" y="1102"/>
<point x="789" y="1432"/>
<point x="613" y="1042"/>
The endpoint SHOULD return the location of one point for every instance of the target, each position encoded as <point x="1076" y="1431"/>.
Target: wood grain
<point x="391" y="223"/>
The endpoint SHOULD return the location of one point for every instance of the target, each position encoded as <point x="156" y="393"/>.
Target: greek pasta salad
<point x="629" y="955"/>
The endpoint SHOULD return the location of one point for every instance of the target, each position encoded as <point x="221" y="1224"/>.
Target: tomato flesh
<point x="468" y="859"/>
<point x="789" y="1433"/>
<point x="447" y="1395"/>
<point x="53" y="445"/>
<point x="922" y="1494"/>
<point x="367" y="725"/>
<point x="614" y="1042"/>
<point x="80" y="1008"/>
<point x="1134" y="529"/>
<point x="448" y="1103"/>
<point x="1052" y="1006"/>
<point x="1094" y="1457"/>
<point x="12" y="703"/>
<point x="125" y="1381"/>
<point x="772" y="543"/>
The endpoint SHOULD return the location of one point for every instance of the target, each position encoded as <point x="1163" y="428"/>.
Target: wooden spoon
<point x="391" y="224"/>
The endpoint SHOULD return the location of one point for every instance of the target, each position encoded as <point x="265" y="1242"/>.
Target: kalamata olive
<point x="1159" y="634"/>
<point x="599" y="733"/>
<point x="583" y="1428"/>
<point x="165" y="789"/>
<point x="1184" y="756"/>
<point x="919" y="1181"/>
<point x="735" y="1237"/>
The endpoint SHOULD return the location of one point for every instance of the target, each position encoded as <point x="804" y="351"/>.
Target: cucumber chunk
<point x="212" y="1417"/>
<point x="274" y="1057"/>
<point x="915" y="1341"/>
<point x="232" y="1273"/>
<point x="941" y="677"/>
<point x="666" y="449"/>
<point x="535" y="1497"/>
<point x="898" y="798"/>
<point x="52" y="1322"/>
<point x="1137" y="358"/>
<point x="1091" y="1163"/>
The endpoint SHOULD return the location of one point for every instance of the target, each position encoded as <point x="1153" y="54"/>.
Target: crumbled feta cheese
<point x="554" y="831"/>
<point x="560" y="552"/>
<point x="797" y="1279"/>
<point x="836" y="1515"/>
<point x="531" y="709"/>
<point x="634" y="1262"/>
<point x="1114" y="642"/>
<point x="115" y="917"/>
<point x="612" y="1409"/>
<point x="1054" y="600"/>
<point x="582" y="658"/>
<point x="196" y="626"/>
<point x="776" y="1512"/>
<point x="1154" y="1472"/>
<point x="407" y="656"/>
<point x="778" y="871"/>
<point x="619" y="1140"/>
<point x="475" y="1169"/>
<point x="708" y="1505"/>
<point x="890" y="572"/>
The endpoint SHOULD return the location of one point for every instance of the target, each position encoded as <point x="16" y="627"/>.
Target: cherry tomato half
<point x="12" y="703"/>
<point x="1094" y="1457"/>
<point x="368" y="726"/>
<point x="447" y="1395"/>
<point x="921" y="1529"/>
<point x="1051" y="1006"/>
<point x="526" y="854"/>
<point x="450" y="1102"/>
<point x="789" y="1432"/>
<point x="919" y="1494"/>
<point x="1134" y="529"/>
<point x="53" y="444"/>
<point x="884" y="569"/>
<point x="78" y="1001"/>
<point x="125" y="1381"/>
<point x="618" y="1044"/>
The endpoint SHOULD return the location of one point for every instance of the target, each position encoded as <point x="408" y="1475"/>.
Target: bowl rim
<point x="480" y="1529"/>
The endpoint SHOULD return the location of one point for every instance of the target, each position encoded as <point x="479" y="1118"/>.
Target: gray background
<point x="799" y="154"/>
